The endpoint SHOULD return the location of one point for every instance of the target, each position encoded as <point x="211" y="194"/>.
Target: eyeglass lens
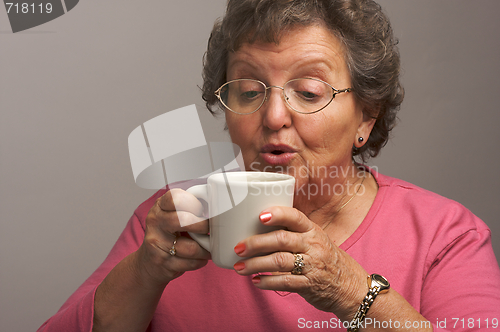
<point x="303" y="95"/>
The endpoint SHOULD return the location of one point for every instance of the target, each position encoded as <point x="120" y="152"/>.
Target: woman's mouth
<point x="277" y="154"/>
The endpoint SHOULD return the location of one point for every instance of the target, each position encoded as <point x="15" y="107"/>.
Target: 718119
<point x="475" y="323"/>
<point x="25" y="8"/>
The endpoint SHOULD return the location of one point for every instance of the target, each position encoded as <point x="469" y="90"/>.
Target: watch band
<point x="376" y="285"/>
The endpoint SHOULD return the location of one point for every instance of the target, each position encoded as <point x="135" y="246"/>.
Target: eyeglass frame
<point x="285" y="97"/>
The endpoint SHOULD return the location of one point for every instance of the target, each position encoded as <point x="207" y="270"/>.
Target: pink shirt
<point x="433" y="251"/>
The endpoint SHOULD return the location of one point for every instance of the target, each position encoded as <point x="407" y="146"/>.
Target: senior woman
<point x="305" y="85"/>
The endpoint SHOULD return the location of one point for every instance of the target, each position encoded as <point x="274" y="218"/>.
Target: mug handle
<point x="200" y="191"/>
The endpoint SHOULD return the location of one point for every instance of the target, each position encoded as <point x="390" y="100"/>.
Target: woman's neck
<point x="340" y="214"/>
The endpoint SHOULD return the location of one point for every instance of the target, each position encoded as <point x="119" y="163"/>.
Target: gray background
<point x="73" y="89"/>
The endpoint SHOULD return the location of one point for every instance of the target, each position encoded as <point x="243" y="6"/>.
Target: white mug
<point x="235" y="201"/>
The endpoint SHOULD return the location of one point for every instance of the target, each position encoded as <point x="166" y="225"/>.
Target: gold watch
<point x="376" y="285"/>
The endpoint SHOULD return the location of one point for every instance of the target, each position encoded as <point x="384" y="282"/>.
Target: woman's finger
<point x="178" y="211"/>
<point x="275" y="241"/>
<point x="290" y="240"/>
<point x="188" y="222"/>
<point x="188" y="248"/>
<point x="165" y="256"/>
<point x="183" y="247"/>
<point x="280" y="282"/>
<point x="276" y="262"/>
<point x="178" y="264"/>
<point x="288" y="217"/>
<point x="180" y="200"/>
<point x="175" y="221"/>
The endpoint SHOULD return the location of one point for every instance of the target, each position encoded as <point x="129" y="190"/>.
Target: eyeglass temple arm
<point x="336" y="92"/>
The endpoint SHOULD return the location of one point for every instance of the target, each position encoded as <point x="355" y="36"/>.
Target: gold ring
<point x="298" y="264"/>
<point x="172" y="250"/>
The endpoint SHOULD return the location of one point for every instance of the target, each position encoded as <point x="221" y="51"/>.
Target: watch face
<point x="380" y="280"/>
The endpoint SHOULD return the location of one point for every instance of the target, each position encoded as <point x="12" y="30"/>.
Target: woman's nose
<point x="277" y="113"/>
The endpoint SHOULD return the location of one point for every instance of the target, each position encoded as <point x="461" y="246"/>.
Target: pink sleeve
<point x="77" y="312"/>
<point x="461" y="292"/>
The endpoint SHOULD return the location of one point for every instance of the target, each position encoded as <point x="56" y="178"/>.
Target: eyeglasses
<point x="303" y="95"/>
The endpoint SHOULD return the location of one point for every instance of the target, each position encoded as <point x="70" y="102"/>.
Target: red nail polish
<point x="240" y="247"/>
<point x="265" y="217"/>
<point x="256" y="280"/>
<point x="239" y="266"/>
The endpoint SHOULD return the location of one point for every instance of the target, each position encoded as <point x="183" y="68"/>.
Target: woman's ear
<point x="364" y="130"/>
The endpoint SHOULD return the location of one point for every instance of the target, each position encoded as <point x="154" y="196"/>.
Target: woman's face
<point x="275" y="138"/>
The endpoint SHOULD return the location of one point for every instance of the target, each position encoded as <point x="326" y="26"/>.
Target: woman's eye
<point x="250" y="94"/>
<point x="308" y="95"/>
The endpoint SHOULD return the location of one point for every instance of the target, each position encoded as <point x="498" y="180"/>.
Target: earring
<point x="361" y="139"/>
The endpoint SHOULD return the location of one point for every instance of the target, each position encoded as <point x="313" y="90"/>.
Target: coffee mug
<point x="235" y="201"/>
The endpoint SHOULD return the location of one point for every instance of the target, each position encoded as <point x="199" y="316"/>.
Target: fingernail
<point x="256" y="280"/>
<point x="265" y="217"/>
<point x="240" y="247"/>
<point x="239" y="266"/>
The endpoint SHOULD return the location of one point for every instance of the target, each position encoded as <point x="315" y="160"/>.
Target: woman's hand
<point x="330" y="280"/>
<point x="141" y="277"/>
<point x="164" y="223"/>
